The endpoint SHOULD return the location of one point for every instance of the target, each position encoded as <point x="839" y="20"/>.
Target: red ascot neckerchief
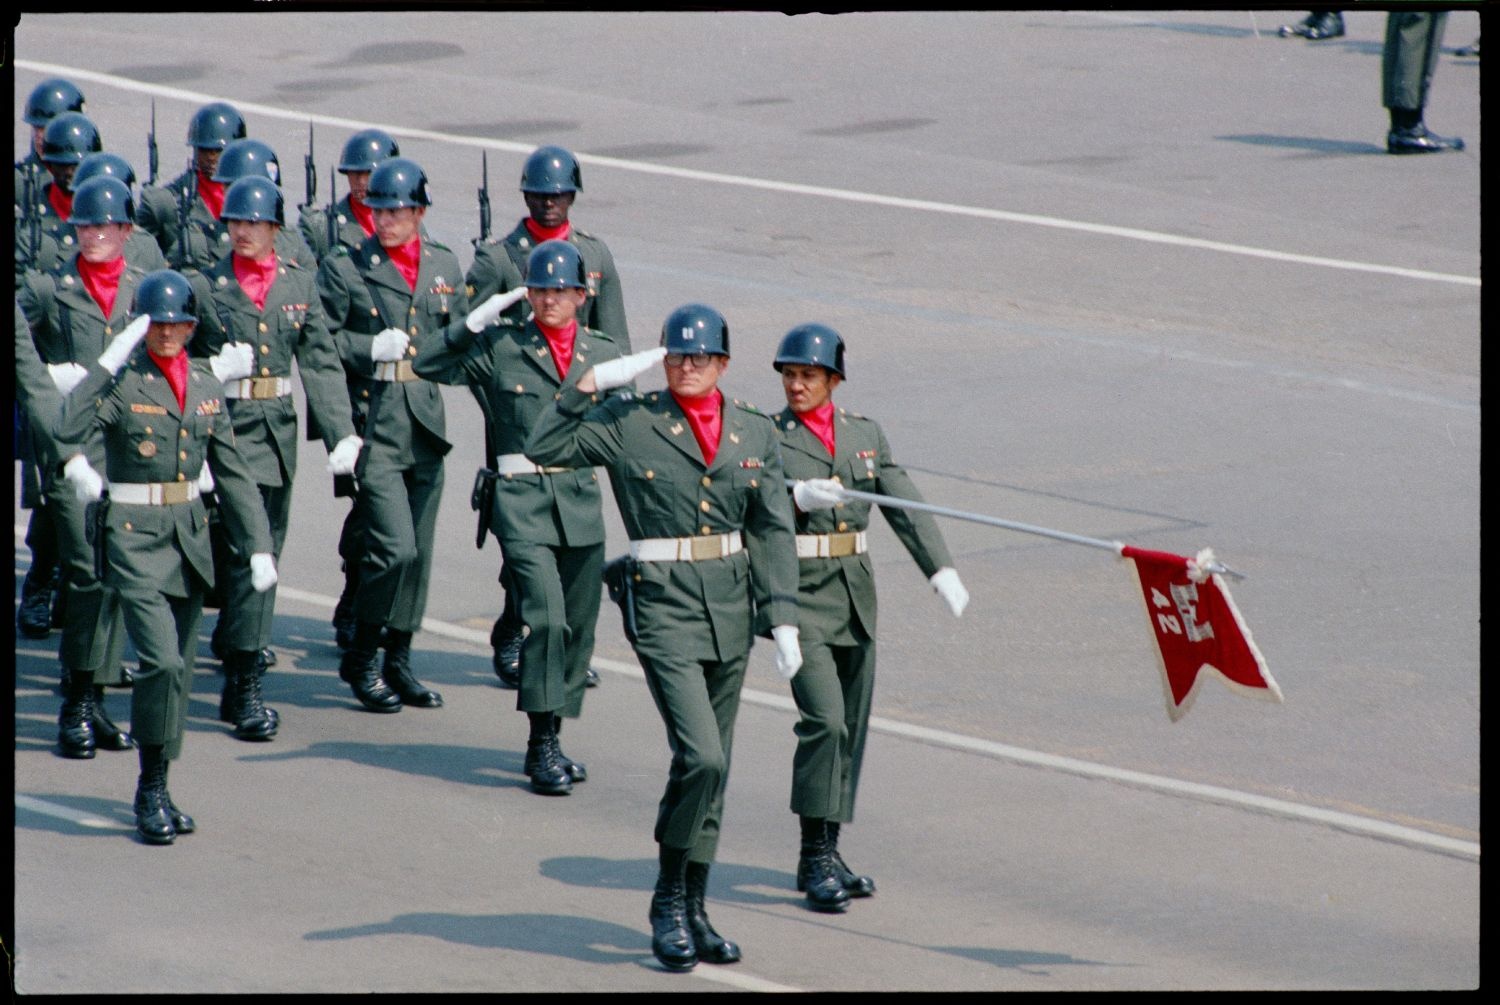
<point x="705" y="416"/>
<point x="176" y="372"/>
<point x="819" y="422"/>
<point x="363" y="215"/>
<point x="212" y="194"/>
<point x="102" y="280"/>
<point x="560" y="341"/>
<point x="61" y="200"/>
<point x="540" y="233"/>
<point x="256" y="278"/>
<point x="407" y="259"/>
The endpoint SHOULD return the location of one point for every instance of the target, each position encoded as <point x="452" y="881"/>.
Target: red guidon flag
<point x="1197" y="628"/>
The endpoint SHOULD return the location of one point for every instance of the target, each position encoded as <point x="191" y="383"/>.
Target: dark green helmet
<point x="104" y="165"/>
<point x="367" y="148"/>
<point x="254" y="198"/>
<point x="215" y="126"/>
<point x="247" y="158"/>
<point x="550" y="170"/>
<point x="695" y="330"/>
<point x="812" y="345"/>
<point x="166" y="296"/>
<point x="69" y="138"/>
<point x="555" y="265"/>
<point x="395" y="183"/>
<point x="51" y="98"/>
<point x="101" y="200"/>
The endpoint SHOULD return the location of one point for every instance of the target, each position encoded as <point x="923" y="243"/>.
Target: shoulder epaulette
<point x="745" y="406"/>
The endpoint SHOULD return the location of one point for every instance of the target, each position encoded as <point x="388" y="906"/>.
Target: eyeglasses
<point x="700" y="361"/>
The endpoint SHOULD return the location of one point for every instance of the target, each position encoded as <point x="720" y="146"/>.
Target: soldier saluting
<point x="163" y="423"/>
<point x="694" y="475"/>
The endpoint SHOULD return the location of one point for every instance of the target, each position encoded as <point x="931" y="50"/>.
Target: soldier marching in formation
<point x="738" y="521"/>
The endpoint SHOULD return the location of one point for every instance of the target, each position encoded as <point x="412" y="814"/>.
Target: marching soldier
<point x="550" y="182"/>
<point x="269" y="307"/>
<point x="250" y="158"/>
<point x="140" y="250"/>
<point x="66" y="141"/>
<point x="824" y="449"/>
<point x="163" y="424"/>
<point x="71" y="316"/>
<point x="193" y="197"/>
<point x="548" y="520"/>
<point x="47" y="100"/>
<point x="693" y="474"/>
<point x="384" y="301"/>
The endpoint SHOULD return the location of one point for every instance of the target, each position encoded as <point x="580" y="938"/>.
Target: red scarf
<point x="819" y="422"/>
<point x="706" y="417"/>
<point x="407" y="259"/>
<point x="212" y="194"/>
<point x="363" y="215"/>
<point x="102" y="280"/>
<point x="256" y="278"/>
<point x="540" y="233"/>
<point x="560" y="341"/>
<point x="61" y="200"/>
<point x="176" y="372"/>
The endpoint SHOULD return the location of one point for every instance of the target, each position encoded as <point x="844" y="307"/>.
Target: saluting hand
<point x="235" y="361"/>
<point x="788" y="650"/>
<point x="344" y="455"/>
<point x="122" y="345"/>
<point x="489" y="312"/>
<point x="389" y="346"/>
<point x="87" y="483"/>
<point x="619" y="372"/>
<point x="262" y="571"/>
<point x="945" y="581"/>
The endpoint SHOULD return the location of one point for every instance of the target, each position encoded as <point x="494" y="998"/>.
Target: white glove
<point x="87" y="483"/>
<point x="67" y="376"/>
<point x="489" y="312"/>
<point x="619" y="372"/>
<point x="122" y="345"/>
<point x="945" y="582"/>
<point x="262" y="571"/>
<point x="389" y="346"/>
<point x="817" y="493"/>
<point x="205" y="480"/>
<point x="788" y="651"/>
<point x="235" y="360"/>
<point x="342" y="458"/>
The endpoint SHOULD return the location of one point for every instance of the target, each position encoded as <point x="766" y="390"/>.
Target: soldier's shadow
<point x="586" y="940"/>
<point x="483" y="766"/>
<point x="740" y="884"/>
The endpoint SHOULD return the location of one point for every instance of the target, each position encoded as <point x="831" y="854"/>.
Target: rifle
<point x="184" y="208"/>
<point x="333" y="227"/>
<point x="33" y="219"/>
<point x="309" y="170"/>
<point x="151" y="145"/>
<point x="484" y="199"/>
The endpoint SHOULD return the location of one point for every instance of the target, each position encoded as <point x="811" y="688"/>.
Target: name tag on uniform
<point x="143" y="409"/>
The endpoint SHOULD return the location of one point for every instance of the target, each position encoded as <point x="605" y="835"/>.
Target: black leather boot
<point x="360" y="669"/>
<point x="575" y="769"/>
<point x="671" y="942"/>
<point x="709" y="944"/>
<point x="344" y="622"/>
<point x="507" y="638"/>
<point x="397" y="672"/>
<point x="543" y="758"/>
<point x="75" y="724"/>
<point x="857" y="886"/>
<point x="252" y="720"/>
<point x="153" y="821"/>
<point x="1317" y="26"/>
<point x="108" y="736"/>
<point x="34" y="618"/>
<point x="816" y="875"/>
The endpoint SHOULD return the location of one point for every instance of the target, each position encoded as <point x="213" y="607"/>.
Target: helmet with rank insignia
<point x="69" y="138"/>
<point x="101" y="200"/>
<point x="812" y="345"/>
<point x="50" y="99"/>
<point x="104" y="165"/>
<point x="395" y="183"/>
<point x="215" y="126"/>
<point x="247" y="158"/>
<point x="166" y="297"/>
<point x="254" y="198"/>
<point x="555" y="265"/>
<point x="367" y="148"/>
<point x="550" y="171"/>
<point x="695" y="330"/>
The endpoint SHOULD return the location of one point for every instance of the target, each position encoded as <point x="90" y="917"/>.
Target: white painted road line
<point x="790" y="188"/>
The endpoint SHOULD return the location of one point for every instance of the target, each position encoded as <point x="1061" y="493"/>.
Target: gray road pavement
<point x="1136" y="275"/>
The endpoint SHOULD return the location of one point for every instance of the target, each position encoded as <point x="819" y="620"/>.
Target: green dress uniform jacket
<point x="208" y="237"/>
<point x="402" y="421"/>
<point x="836" y="601"/>
<point x="313" y="225"/>
<point x="159" y="559"/>
<point x="500" y="265"/>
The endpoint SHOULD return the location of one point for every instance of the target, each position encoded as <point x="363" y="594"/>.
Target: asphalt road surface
<point x="1139" y="276"/>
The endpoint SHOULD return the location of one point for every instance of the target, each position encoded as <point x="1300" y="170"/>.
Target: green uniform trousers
<point x="93" y="636"/>
<point x="164" y="629"/>
<point x="246" y="618"/>
<point x="833" y="691"/>
<point x="1413" y="40"/>
<point x="559" y="595"/>
<point x="399" y="511"/>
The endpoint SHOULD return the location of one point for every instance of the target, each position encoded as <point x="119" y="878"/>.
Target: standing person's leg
<point x="1413" y="43"/>
<point x="423" y="485"/>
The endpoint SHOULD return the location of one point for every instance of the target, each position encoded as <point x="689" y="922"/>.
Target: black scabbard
<point x="619" y="580"/>
<point x="482" y="500"/>
<point x="95" y="516"/>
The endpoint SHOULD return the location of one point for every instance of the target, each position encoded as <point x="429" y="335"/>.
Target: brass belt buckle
<point x="404" y="372"/>
<point x="840" y="545"/>
<point x="173" y="493"/>
<point x="262" y="388"/>
<point x="710" y="546"/>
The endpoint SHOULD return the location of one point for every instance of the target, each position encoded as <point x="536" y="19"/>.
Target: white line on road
<point x="792" y="188"/>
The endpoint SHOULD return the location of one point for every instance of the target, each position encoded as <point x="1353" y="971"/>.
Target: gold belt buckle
<point x="840" y="545"/>
<point x="404" y="371"/>
<point x="262" y="388"/>
<point x="173" y="493"/>
<point x="709" y="546"/>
